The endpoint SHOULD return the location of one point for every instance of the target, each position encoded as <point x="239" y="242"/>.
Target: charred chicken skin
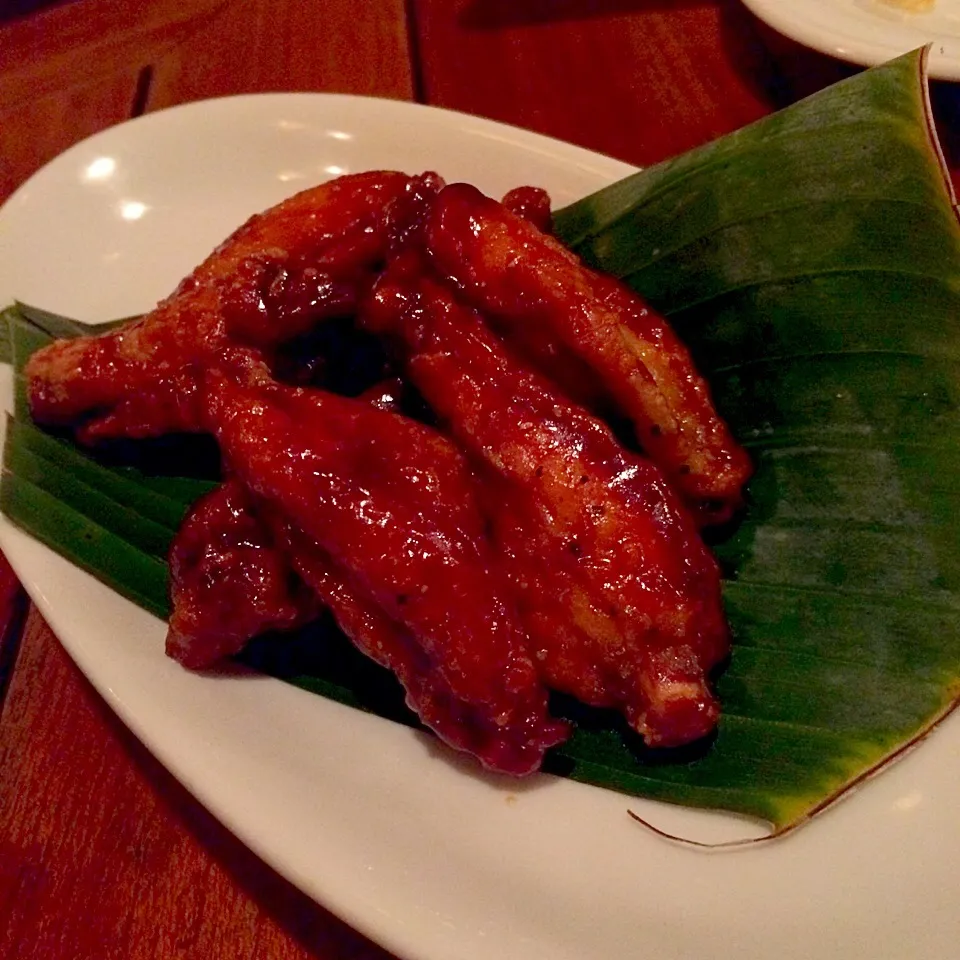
<point x="507" y="267"/>
<point x="307" y="258"/>
<point x="619" y="595"/>
<point x="383" y="524"/>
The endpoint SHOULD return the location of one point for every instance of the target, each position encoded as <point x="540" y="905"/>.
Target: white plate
<point x="869" y="31"/>
<point x="375" y="821"/>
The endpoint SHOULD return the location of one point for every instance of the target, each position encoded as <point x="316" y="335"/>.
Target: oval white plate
<point x="869" y="31"/>
<point x="407" y="843"/>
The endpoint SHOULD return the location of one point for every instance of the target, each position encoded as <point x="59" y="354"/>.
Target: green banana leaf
<point x="812" y="262"/>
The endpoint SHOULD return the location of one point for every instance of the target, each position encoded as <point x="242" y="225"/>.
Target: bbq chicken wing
<point x="504" y="265"/>
<point x="307" y="258"/>
<point x="522" y="549"/>
<point x="229" y="580"/>
<point x="619" y="595"/>
<point x="514" y="746"/>
<point x="383" y="524"/>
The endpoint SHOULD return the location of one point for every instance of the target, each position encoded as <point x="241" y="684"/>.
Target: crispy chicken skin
<point x="229" y="581"/>
<point x="619" y="595"/>
<point x="307" y="258"/>
<point x="504" y="265"/>
<point x="387" y="530"/>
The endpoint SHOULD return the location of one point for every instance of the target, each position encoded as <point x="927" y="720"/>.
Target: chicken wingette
<point x="308" y="258"/>
<point x="383" y="524"/>
<point x="618" y="593"/>
<point x="532" y="286"/>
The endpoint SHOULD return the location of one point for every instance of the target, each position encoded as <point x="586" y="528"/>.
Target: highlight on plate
<point x="412" y="387"/>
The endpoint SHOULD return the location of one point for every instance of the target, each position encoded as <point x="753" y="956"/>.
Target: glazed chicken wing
<point x="522" y="549"/>
<point x="385" y="527"/>
<point x="504" y="265"/>
<point x="618" y="593"/>
<point x="514" y="746"/>
<point x="229" y="580"/>
<point x="305" y="259"/>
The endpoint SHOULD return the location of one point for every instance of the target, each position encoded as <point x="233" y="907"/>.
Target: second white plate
<point x="869" y="31"/>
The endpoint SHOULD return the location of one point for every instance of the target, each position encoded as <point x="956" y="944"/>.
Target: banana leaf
<point x="812" y="262"/>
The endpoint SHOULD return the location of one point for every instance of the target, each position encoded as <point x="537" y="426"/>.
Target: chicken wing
<point x="307" y="258"/>
<point x="229" y="581"/>
<point x="514" y="747"/>
<point x="387" y="531"/>
<point x="619" y="595"/>
<point x="508" y="268"/>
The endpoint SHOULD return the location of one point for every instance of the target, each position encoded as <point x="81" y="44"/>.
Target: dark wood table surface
<point x="102" y="853"/>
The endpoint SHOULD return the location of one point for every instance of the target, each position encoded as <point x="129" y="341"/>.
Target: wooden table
<point x="102" y="853"/>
